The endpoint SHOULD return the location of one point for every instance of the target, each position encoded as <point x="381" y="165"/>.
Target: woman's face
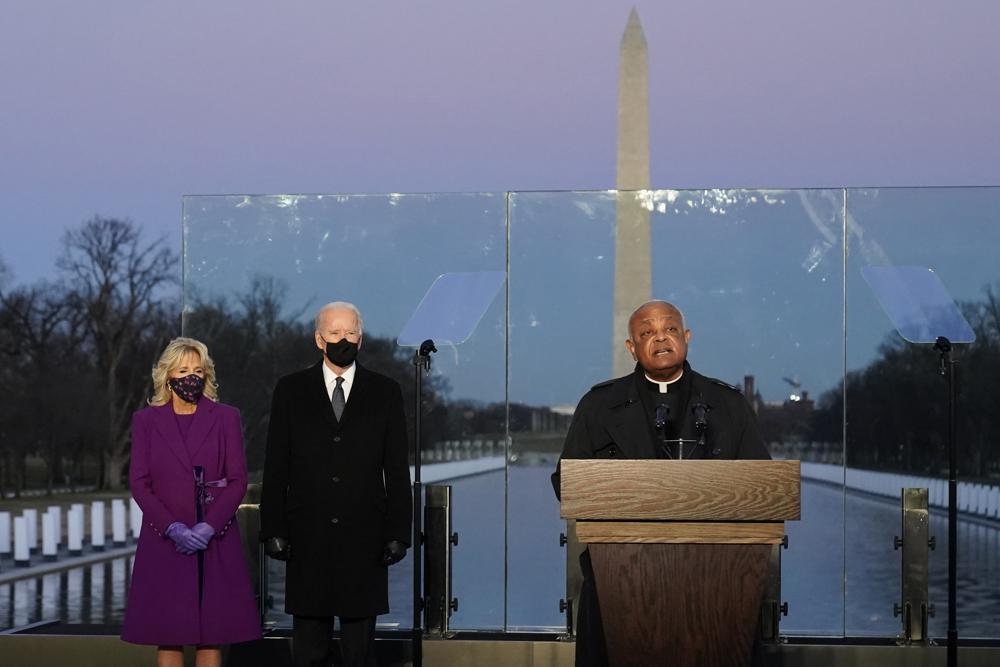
<point x="190" y="363"/>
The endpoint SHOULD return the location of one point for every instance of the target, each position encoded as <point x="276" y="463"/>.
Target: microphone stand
<point x="947" y="369"/>
<point x="680" y="442"/>
<point x="700" y="411"/>
<point x="421" y="365"/>
<point x="662" y="413"/>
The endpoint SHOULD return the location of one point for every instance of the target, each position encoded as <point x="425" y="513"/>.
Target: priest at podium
<point x="664" y="409"/>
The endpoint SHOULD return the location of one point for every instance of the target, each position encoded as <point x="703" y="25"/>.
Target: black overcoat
<point x="610" y="422"/>
<point x="336" y="491"/>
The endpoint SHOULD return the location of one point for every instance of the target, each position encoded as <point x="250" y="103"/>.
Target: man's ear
<point x="320" y="343"/>
<point x="687" y="335"/>
<point x="630" y="346"/>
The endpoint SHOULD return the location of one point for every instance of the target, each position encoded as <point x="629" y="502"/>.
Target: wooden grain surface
<point x="679" y="532"/>
<point x="680" y="490"/>
<point x="679" y="604"/>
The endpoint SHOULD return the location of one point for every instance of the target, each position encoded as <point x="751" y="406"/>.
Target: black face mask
<point x="189" y="388"/>
<point x="342" y="353"/>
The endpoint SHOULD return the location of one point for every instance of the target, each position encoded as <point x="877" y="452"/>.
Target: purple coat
<point x="163" y="604"/>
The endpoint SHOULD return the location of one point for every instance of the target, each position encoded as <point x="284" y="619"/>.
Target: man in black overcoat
<point x="336" y="503"/>
<point x="663" y="409"/>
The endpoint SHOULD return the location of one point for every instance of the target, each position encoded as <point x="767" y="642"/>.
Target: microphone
<point x="700" y="412"/>
<point x="662" y="414"/>
<point x="422" y="357"/>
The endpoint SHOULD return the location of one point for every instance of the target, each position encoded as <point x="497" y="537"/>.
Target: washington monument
<point x="633" y="275"/>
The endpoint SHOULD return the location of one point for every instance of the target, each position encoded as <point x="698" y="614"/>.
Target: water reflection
<point x="812" y="570"/>
<point x="89" y="594"/>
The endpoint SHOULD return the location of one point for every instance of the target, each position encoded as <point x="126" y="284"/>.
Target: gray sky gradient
<point x="120" y="107"/>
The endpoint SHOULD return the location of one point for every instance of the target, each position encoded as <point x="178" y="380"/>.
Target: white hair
<point x="337" y="305"/>
<point x="628" y="324"/>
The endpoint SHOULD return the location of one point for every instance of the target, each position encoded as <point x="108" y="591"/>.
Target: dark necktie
<point x="338" y="399"/>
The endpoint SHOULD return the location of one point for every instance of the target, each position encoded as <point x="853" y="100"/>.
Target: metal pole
<point x="418" y="367"/>
<point x="948" y="371"/>
<point x="421" y="365"/>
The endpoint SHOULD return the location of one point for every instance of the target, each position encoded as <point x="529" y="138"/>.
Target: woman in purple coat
<point x="190" y="584"/>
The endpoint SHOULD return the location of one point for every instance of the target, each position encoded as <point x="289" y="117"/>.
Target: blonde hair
<point x="171" y="359"/>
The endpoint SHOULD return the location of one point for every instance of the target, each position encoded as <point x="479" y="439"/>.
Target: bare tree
<point x="258" y="338"/>
<point x="8" y="376"/>
<point x="41" y="334"/>
<point x="116" y="283"/>
<point x="253" y="343"/>
<point x="896" y="405"/>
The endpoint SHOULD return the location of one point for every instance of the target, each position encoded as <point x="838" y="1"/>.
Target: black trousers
<point x="311" y="641"/>
<point x="591" y="649"/>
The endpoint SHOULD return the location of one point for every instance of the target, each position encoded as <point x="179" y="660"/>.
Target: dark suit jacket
<point x="336" y="491"/>
<point x="610" y="422"/>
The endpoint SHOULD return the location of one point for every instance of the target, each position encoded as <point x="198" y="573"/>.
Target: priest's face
<point x="658" y="340"/>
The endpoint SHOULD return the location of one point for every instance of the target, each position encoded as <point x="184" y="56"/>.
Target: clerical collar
<point x="664" y="386"/>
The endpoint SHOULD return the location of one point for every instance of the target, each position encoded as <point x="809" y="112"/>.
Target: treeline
<point x="254" y="342"/>
<point x="897" y="407"/>
<point x="76" y="354"/>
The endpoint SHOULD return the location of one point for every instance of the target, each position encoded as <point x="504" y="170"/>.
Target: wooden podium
<point x="680" y="552"/>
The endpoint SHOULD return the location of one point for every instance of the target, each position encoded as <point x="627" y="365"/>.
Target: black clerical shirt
<point x="676" y="399"/>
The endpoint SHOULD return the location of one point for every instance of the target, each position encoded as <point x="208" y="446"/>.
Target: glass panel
<point x="758" y="275"/>
<point x="257" y="268"/>
<point x="761" y="278"/>
<point x="561" y="280"/>
<point x="763" y="298"/>
<point x="897" y="406"/>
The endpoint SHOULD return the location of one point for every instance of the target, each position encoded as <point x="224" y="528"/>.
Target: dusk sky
<point x="120" y="107"/>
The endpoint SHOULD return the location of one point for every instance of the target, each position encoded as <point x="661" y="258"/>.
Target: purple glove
<point x="204" y="531"/>
<point x="186" y="541"/>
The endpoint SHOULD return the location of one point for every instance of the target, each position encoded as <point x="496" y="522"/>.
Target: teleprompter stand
<point x="448" y="313"/>
<point x="923" y="312"/>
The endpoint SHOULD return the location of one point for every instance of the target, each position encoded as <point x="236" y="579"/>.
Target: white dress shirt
<point x="331" y="381"/>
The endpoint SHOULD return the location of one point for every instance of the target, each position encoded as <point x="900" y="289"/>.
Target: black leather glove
<point x="394" y="552"/>
<point x="278" y="548"/>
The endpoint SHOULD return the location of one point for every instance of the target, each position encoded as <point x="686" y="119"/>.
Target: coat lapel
<point x="359" y="393"/>
<point x="166" y="425"/>
<point x="205" y="418"/>
<point x="627" y="422"/>
<point x="316" y="393"/>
